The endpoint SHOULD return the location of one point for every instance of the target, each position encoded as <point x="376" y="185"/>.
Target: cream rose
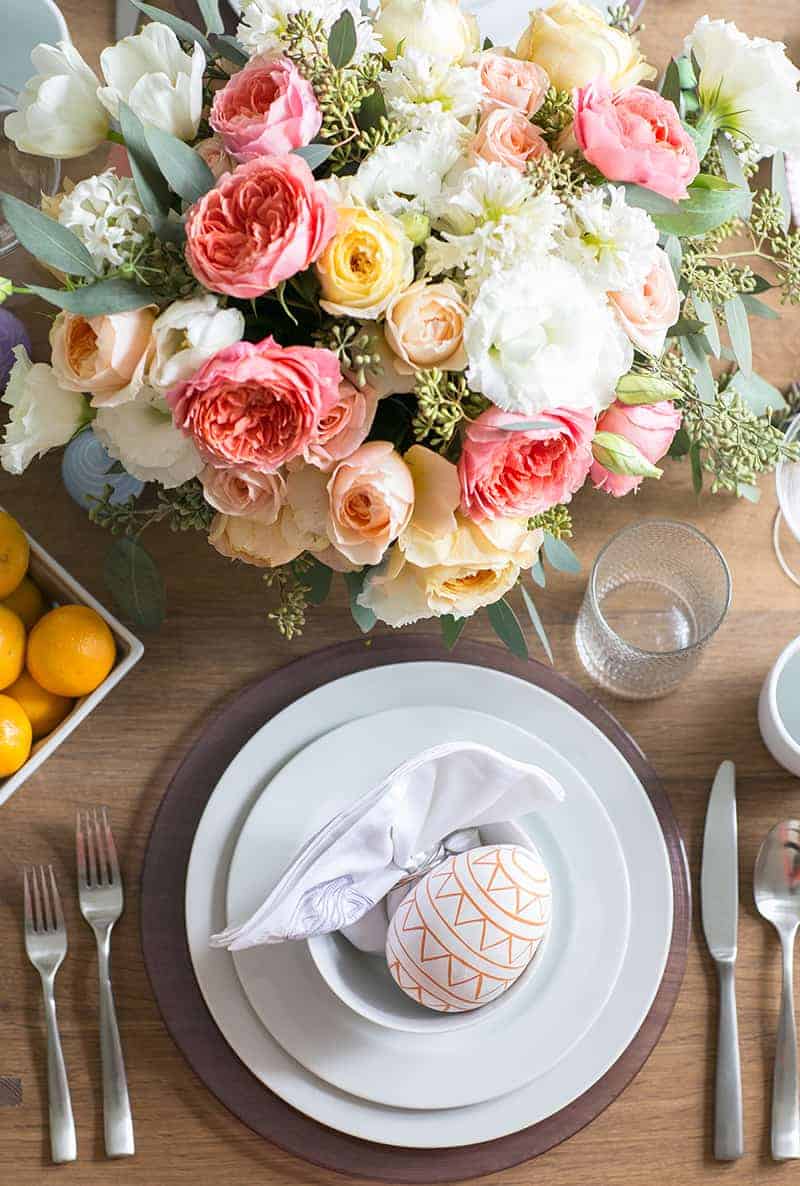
<point x="420" y="24"/>
<point x="366" y="263"/>
<point x="574" y="45"/>
<point x="425" y="327"/>
<point x="105" y="356"/>
<point x="244" y="491"/>
<point x="371" y="498"/>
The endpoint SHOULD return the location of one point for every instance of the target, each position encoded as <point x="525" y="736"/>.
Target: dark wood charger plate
<point x="169" y="963"/>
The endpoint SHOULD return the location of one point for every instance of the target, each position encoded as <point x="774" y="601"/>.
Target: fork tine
<point x="80" y="849"/>
<point x="47" y="913"/>
<point x="111" y="848"/>
<point x="58" y="914"/>
<point x="26" y="888"/>
<point x="37" y="901"/>
<point x="102" y="863"/>
<point x="90" y="845"/>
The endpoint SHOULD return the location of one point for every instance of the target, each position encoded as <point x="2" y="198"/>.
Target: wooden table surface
<point x="216" y="638"/>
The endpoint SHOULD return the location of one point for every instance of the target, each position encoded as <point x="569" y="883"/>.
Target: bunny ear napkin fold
<point x="398" y="828"/>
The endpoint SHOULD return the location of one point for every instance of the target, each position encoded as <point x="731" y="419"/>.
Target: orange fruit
<point x="12" y="647"/>
<point x="14" y="553"/>
<point x="70" y="650"/>
<point x="43" y="709"/>
<point x="27" y="601"/>
<point x="15" y="737"/>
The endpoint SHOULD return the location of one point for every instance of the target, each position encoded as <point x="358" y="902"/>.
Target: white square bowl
<point x="60" y="588"/>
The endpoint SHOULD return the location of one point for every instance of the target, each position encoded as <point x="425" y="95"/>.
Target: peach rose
<point x="509" y="138"/>
<point x="425" y="327"/>
<point x="266" y="109"/>
<point x="104" y="356"/>
<point x="264" y="222"/>
<point x="371" y="500"/>
<point x="512" y="83"/>
<point x="212" y="150"/>
<point x="257" y="404"/>
<point x="650" y="427"/>
<point x="647" y="313"/>
<point x="244" y="491"/>
<point x="344" y="428"/>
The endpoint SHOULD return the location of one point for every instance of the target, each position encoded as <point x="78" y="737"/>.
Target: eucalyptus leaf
<point x="711" y="330"/>
<point x="761" y="283"/>
<point x="635" y="388"/>
<point x="228" y="47"/>
<point x="671" y="86"/>
<point x="342" y="40"/>
<point x="46" y="239"/>
<point x="314" y="154"/>
<point x="674" y="251"/>
<point x="734" y="171"/>
<point x="619" y="456"/>
<point x="451" y="629"/>
<point x="681" y="444"/>
<point x="697" y="468"/>
<point x="757" y="308"/>
<point x="148" y="178"/>
<point x="317" y="578"/>
<point x="739" y="331"/>
<point x="695" y="356"/>
<point x="133" y="579"/>
<point x="93" y="300"/>
<point x="686" y="75"/>
<point x="560" y="555"/>
<point x="538" y="574"/>
<point x="684" y="326"/>
<point x="760" y="396"/>
<point x="363" y="618"/>
<point x="209" y="10"/>
<point x="505" y="624"/>
<point x="710" y="202"/>
<point x="527" y="426"/>
<point x="185" y="170"/>
<point x="537" y="623"/>
<point x="372" y="110"/>
<point x="780" y="186"/>
<point x="183" y="30"/>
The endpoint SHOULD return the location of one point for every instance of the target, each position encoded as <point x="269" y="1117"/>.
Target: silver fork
<point x="46" y="945"/>
<point x="100" y="896"/>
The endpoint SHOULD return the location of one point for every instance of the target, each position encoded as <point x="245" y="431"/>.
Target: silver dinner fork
<point x="100" y="896"/>
<point x="46" y="945"/>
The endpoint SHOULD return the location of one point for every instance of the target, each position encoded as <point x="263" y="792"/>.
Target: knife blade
<point x="127" y="19"/>
<point x="719" y="895"/>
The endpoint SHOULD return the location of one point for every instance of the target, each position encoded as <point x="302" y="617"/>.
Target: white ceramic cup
<point x="779" y="709"/>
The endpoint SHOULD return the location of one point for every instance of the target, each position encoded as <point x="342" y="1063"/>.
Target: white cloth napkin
<point x="393" y="830"/>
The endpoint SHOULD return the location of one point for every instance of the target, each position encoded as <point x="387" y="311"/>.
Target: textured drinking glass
<point x="22" y="175"/>
<point x="658" y="592"/>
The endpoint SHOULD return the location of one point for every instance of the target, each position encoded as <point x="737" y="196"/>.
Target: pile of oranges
<point x="48" y="657"/>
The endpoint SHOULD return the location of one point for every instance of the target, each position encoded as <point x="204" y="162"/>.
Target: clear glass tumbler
<point x="658" y="592"/>
<point x="21" y="175"/>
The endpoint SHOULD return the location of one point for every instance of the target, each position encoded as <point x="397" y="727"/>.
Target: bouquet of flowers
<point x="364" y="294"/>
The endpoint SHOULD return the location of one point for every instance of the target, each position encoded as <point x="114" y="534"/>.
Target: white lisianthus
<point x="187" y="334"/>
<point x="59" y="113"/>
<point x="420" y="86"/>
<point x="142" y="437"/>
<point x="538" y="336"/>
<point x="612" y="244"/>
<point x="159" y="81"/>
<point x="263" y="24"/>
<point x="105" y="213"/>
<point x="420" y="24"/>
<point x="408" y="174"/>
<point x="746" y="84"/>
<point x="43" y="415"/>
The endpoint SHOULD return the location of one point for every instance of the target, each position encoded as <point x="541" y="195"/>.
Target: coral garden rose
<point x="650" y="427"/>
<point x="212" y="151"/>
<point x="635" y="135"/>
<point x="509" y="138"/>
<point x="264" y="222"/>
<point x="244" y="491"/>
<point x="507" y="473"/>
<point x="104" y="356"/>
<point x="647" y="312"/>
<point x="344" y="428"/>
<point x="511" y="83"/>
<point x="366" y="263"/>
<point x="267" y="108"/>
<point x="257" y="404"/>
<point x="371" y="499"/>
<point x="425" y="327"/>
<point x="573" y="43"/>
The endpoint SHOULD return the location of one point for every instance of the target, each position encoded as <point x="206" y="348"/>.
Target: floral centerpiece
<point x="365" y="294"/>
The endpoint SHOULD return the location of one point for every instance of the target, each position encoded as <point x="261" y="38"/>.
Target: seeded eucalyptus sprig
<point x="556" y="521"/>
<point x="555" y="113"/>
<point x="443" y="401"/>
<point x="183" y="508"/>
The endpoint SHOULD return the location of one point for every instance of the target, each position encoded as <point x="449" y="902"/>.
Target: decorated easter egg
<point x="469" y="928"/>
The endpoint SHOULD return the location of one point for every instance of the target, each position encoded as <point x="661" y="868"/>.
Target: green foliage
<point x="443" y="401"/>
<point x="506" y="626"/>
<point x="183" y="508"/>
<point x="114" y="295"/>
<point x="46" y="239"/>
<point x="451" y="629"/>
<point x="555" y="113"/>
<point x="556" y="521"/>
<point x="354" y="346"/>
<point x="132" y="577"/>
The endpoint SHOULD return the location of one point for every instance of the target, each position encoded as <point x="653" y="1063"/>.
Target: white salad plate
<point x="424" y="685"/>
<point x="550" y="1013"/>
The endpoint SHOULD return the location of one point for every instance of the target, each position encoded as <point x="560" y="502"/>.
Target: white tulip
<point x="441" y="25"/>
<point x="142" y="437"/>
<point x="59" y="113"/>
<point x="161" y="83"/>
<point x="43" y="415"/>
<point x="187" y="334"/>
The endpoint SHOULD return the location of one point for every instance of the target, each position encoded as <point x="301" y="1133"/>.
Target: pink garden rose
<point x="635" y="135"/>
<point x="511" y="83"/>
<point x="344" y="428"/>
<point x="646" y="313"/>
<point x="650" y="427"/>
<point x="244" y="491"/>
<point x="264" y="222"/>
<point x="257" y="404"/>
<point x="506" y="474"/>
<point x="371" y="497"/>
<point x="509" y="138"/>
<point x="266" y="109"/>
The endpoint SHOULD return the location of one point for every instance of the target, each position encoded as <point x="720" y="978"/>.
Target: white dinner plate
<point x="428" y="684"/>
<point x="549" y="1014"/>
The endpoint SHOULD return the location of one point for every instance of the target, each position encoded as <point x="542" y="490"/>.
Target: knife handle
<point x="728" y="1132"/>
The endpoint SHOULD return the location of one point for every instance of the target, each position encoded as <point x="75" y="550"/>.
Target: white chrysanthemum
<point x="105" y="213"/>
<point x="420" y="86"/>
<point x="143" y="438"/>
<point x="408" y="175"/>
<point x="43" y="415"/>
<point x="748" y="83"/>
<point x="489" y="218"/>
<point x="611" y="243"/>
<point x="262" y="28"/>
<point x="538" y="336"/>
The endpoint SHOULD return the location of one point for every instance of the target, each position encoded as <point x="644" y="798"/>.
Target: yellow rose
<point x="367" y="262"/>
<point x="573" y="43"/>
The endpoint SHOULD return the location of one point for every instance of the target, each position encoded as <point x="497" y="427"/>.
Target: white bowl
<point x="26" y="23"/>
<point x="784" y="748"/>
<point x="363" y="981"/>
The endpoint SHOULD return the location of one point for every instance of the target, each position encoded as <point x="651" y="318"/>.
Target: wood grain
<point x="217" y="638"/>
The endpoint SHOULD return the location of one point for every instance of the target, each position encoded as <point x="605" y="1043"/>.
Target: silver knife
<point x="719" y="896"/>
<point x="127" y="19"/>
